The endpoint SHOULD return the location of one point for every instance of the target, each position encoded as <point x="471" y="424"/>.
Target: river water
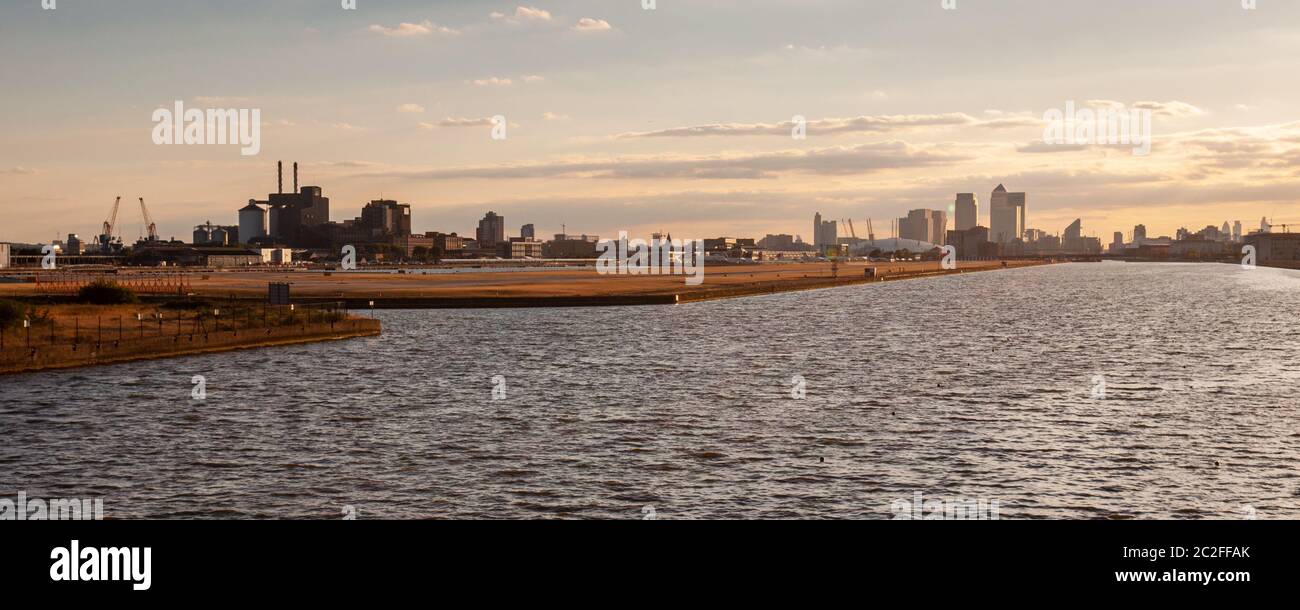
<point x="1074" y="391"/>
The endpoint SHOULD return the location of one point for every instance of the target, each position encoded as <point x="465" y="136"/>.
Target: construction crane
<point x="150" y="227"/>
<point x="871" y="232"/>
<point x="106" y="234"/>
<point x="852" y="233"/>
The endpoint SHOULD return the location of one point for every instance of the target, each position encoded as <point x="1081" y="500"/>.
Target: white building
<point x="277" y="256"/>
<point x="252" y="222"/>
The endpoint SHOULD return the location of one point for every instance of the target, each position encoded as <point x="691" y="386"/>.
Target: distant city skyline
<point x="609" y="129"/>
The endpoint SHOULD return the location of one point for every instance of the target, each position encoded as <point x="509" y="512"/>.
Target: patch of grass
<point x="190" y="304"/>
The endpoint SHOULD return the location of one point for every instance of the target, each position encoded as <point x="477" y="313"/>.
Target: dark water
<point x="977" y="386"/>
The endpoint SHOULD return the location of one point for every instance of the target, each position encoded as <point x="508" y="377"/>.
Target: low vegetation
<point x="106" y="292"/>
<point x="12" y="313"/>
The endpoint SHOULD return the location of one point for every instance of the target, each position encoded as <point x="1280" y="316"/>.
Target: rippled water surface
<point x="973" y="386"/>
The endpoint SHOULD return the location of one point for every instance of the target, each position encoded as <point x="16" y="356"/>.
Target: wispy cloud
<point x="829" y="126"/>
<point x="409" y="30"/>
<point x="837" y="161"/>
<point x="465" y="122"/>
<point x="410" y="108"/>
<point x="1173" y="108"/>
<point x="526" y="13"/>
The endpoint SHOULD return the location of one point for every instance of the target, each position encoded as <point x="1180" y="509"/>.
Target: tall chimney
<point x="295" y="176"/>
<point x="279" y="177"/>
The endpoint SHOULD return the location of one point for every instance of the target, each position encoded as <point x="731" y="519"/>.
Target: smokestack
<point x="295" y="176"/>
<point x="279" y="177"/>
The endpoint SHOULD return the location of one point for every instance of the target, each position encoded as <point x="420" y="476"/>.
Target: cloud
<point x="1173" y="109"/>
<point x="551" y="116"/>
<point x="834" y="161"/>
<point x="532" y="13"/>
<point x="466" y="122"/>
<point x="1040" y="146"/>
<point x="587" y="24"/>
<point x="491" y="82"/>
<point x="18" y="171"/>
<point x="411" y="108"/>
<point x="533" y="78"/>
<point x="523" y="15"/>
<point x="352" y="163"/>
<point x="407" y="30"/>
<point x="861" y="124"/>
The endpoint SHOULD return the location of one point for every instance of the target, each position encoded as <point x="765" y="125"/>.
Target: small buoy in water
<point x="822" y="460"/>
<point x="1216" y="463"/>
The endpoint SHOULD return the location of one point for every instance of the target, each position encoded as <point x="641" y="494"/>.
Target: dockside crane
<point x="150" y="228"/>
<point x="106" y="234"/>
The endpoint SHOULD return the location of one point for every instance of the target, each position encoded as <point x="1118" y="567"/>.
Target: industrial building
<point x="4" y="256"/>
<point x="1275" y="247"/>
<point x="253" y="221"/>
<point x="186" y="255"/>
<point x="208" y="234"/>
<point x="296" y="218"/>
<point x="519" y="247"/>
<point x="571" y="246"/>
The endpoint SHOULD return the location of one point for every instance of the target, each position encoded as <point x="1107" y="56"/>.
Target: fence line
<point x="60" y="282"/>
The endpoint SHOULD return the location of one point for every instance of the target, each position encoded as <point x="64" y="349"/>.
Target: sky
<point x="677" y="118"/>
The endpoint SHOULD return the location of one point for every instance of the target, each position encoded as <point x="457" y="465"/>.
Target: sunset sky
<point x="675" y="118"/>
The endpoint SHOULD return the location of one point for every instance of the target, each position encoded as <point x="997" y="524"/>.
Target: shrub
<point x="106" y="292"/>
<point x="11" y="313"/>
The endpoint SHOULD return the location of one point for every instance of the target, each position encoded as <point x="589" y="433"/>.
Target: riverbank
<point x="415" y="288"/>
<point x="67" y="336"/>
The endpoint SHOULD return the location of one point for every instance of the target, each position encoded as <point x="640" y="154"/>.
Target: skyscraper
<point x="1006" y="215"/>
<point x="527" y="231"/>
<point x="968" y="211"/>
<point x="924" y="225"/>
<point x="1236" y="230"/>
<point x="491" y="230"/>
<point x="825" y="233"/>
<point x="1074" y="231"/>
